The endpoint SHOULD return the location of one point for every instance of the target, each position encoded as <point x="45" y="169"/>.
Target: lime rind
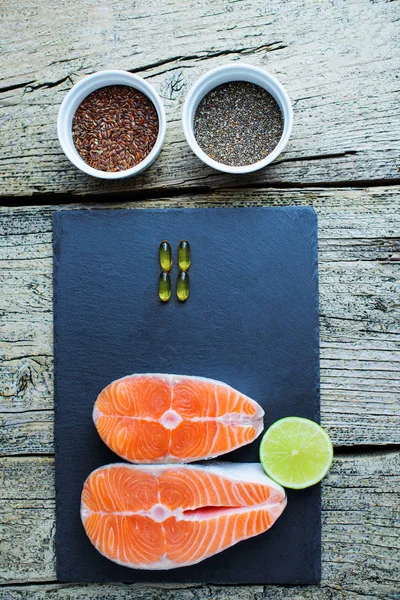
<point x="296" y="452"/>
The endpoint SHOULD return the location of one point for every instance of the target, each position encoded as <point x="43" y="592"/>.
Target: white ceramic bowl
<point x="236" y="72"/>
<point x="85" y="87"/>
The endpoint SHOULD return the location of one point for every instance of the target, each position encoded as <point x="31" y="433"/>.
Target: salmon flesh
<point x="168" y="516"/>
<point x="174" y="418"/>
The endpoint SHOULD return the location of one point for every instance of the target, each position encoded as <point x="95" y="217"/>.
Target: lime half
<point x="296" y="452"/>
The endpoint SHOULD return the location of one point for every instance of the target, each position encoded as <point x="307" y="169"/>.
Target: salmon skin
<point x="169" y="516"/>
<point x="174" y="418"/>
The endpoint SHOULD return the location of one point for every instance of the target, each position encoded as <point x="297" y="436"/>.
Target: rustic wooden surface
<point x="339" y="62"/>
<point x="360" y="536"/>
<point x="359" y="298"/>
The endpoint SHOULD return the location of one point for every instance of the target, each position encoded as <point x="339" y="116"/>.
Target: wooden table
<point x="339" y="62"/>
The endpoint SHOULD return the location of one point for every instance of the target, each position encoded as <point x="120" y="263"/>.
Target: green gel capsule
<point x="164" y="286"/>
<point x="165" y="255"/>
<point x="182" y="286"/>
<point x="184" y="255"/>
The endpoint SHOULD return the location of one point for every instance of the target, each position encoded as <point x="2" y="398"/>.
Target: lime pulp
<point x="296" y="452"/>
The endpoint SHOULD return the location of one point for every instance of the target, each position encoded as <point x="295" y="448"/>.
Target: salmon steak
<point x="174" y="418"/>
<point x="169" y="516"/>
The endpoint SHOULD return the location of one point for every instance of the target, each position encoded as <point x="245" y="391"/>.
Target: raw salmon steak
<point x="174" y="418"/>
<point x="168" y="516"/>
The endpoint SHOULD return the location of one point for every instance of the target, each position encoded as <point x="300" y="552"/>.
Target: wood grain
<point x="359" y="305"/>
<point x="360" y="516"/>
<point x="194" y="592"/>
<point x="338" y="61"/>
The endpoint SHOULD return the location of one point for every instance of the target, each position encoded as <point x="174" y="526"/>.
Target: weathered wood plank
<point x="344" y="90"/>
<point x="127" y="592"/>
<point x="360" y="513"/>
<point x="359" y="303"/>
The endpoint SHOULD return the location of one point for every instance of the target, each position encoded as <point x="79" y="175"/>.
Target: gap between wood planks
<point x="169" y="587"/>
<point x="338" y="450"/>
<point x="41" y="199"/>
<point x="365" y="449"/>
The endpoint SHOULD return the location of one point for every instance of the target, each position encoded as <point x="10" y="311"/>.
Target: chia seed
<point x="238" y="123"/>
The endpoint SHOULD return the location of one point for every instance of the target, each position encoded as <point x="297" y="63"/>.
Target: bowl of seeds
<point x="237" y="118"/>
<point x="111" y="124"/>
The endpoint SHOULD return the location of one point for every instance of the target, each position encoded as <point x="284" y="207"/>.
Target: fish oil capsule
<point x="165" y="255"/>
<point x="184" y="255"/>
<point x="182" y="286"/>
<point x="164" y="286"/>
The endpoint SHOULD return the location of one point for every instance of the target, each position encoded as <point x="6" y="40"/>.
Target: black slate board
<point x="251" y="321"/>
